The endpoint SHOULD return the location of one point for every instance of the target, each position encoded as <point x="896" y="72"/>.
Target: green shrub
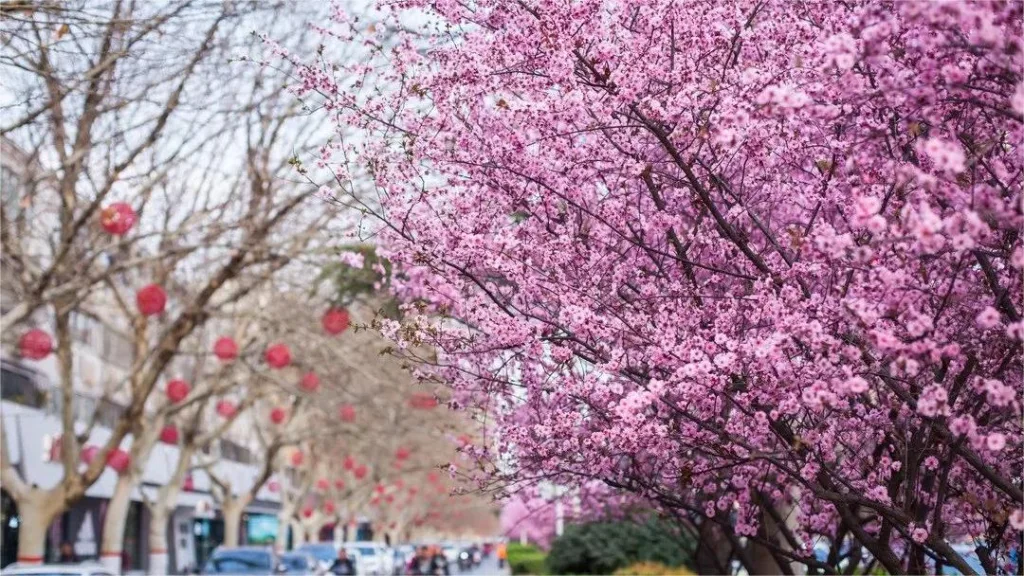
<point x="526" y="559"/>
<point x="604" y="547"/>
<point x="652" y="569"/>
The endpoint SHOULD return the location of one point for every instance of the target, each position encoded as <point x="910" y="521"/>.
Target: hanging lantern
<point x="323" y="485"/>
<point x="35" y="344"/>
<point x="88" y="453"/>
<point x="189" y="484"/>
<point x="274" y="486"/>
<point x="297" y="458"/>
<point x="225" y="409"/>
<point x="169" y="434"/>
<point x="177" y="390"/>
<point x="360" y="471"/>
<point x="278" y="415"/>
<point x="402" y="453"/>
<point x="225" y="348"/>
<point x="151" y="299"/>
<point x="329" y="508"/>
<point x="379" y="488"/>
<point x="347" y="413"/>
<point x="335" y="321"/>
<point x="422" y="401"/>
<point x="339" y="484"/>
<point x="310" y="382"/>
<point x="118" y="218"/>
<point x="278" y="356"/>
<point x="307" y="512"/>
<point x="349" y="463"/>
<point x="119" y="460"/>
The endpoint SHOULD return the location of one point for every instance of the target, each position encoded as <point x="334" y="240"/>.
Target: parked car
<point x="299" y="563"/>
<point x="244" y="560"/>
<point x="83" y="569"/>
<point x="371" y="558"/>
<point x="324" y="553"/>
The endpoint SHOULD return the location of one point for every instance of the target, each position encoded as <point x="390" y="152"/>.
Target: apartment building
<point x="30" y="407"/>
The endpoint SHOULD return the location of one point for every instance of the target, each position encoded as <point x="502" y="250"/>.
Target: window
<point x="10" y="191"/>
<point x="19" y="387"/>
<point x="117" y="349"/>
<point x="109" y="413"/>
<point x="234" y="452"/>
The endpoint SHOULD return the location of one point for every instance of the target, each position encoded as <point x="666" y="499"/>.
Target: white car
<point x="83" y="569"/>
<point x="371" y="558"/>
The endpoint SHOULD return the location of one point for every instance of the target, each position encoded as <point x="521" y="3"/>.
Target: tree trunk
<point x="232" y="510"/>
<point x="113" y="524"/>
<point x="158" y="556"/>
<point x="298" y="534"/>
<point x="37" y="513"/>
<point x="712" y="554"/>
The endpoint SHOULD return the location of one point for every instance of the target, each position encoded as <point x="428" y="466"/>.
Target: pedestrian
<point x="342" y="565"/>
<point x="439" y="562"/>
<point x="502" y="554"/>
<point x="422" y="564"/>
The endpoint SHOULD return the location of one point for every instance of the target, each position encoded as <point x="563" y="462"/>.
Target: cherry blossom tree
<point x="757" y="263"/>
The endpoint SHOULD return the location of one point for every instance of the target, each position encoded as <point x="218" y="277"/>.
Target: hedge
<point x="526" y="560"/>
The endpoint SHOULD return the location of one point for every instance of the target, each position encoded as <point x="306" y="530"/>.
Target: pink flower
<point x="1017" y="519"/>
<point x="988" y="318"/>
<point x="995" y="441"/>
<point x="919" y="535"/>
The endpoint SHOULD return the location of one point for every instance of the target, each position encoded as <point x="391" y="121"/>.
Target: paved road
<point x="489" y="567"/>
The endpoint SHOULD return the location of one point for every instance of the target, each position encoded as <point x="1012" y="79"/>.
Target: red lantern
<point x="339" y="484"/>
<point x="278" y="356"/>
<point x="189" y="484"/>
<point x="225" y="348"/>
<point x="118" y="218"/>
<point x="349" y="463"/>
<point x="169" y="435"/>
<point x="35" y="344"/>
<point x="225" y="409"/>
<point x="274" y="486"/>
<point x="307" y="511"/>
<point x="329" y="508"/>
<point x="297" y="458"/>
<point x="347" y="413"/>
<point x="422" y="401"/>
<point x="151" y="299"/>
<point x="278" y="415"/>
<point x="390" y="498"/>
<point x="323" y="485"/>
<point x="402" y="453"/>
<point x="379" y="488"/>
<point x="335" y="321"/>
<point x="88" y="453"/>
<point x="360" y="471"/>
<point x="310" y="382"/>
<point x="433" y="477"/>
<point x="177" y="390"/>
<point x="119" y="460"/>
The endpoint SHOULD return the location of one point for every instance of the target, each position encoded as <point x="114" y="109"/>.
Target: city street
<point x="489" y="567"/>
